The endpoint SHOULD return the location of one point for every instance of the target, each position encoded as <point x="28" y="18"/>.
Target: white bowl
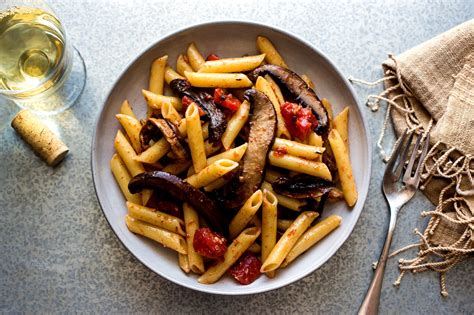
<point x="229" y="39"/>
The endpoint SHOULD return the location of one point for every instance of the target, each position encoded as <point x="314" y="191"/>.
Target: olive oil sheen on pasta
<point x="31" y="50"/>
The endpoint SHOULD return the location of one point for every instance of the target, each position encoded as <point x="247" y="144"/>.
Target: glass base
<point x="65" y="95"/>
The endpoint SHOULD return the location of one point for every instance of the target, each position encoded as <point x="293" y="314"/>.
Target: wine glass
<point x="39" y="69"/>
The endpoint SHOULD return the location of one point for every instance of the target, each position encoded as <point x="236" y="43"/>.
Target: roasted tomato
<point x="247" y="269"/>
<point x="228" y="101"/>
<point x="212" y="57"/>
<point x="209" y="244"/>
<point x="299" y="120"/>
<point x="186" y="101"/>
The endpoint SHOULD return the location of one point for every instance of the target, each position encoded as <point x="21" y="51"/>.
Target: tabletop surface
<point x="58" y="254"/>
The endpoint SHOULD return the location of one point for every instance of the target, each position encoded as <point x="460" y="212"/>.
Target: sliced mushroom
<point x="217" y="121"/>
<point x="302" y="186"/>
<point x="261" y="136"/>
<point x="176" y="187"/>
<point x="298" y="89"/>
<point x="154" y="128"/>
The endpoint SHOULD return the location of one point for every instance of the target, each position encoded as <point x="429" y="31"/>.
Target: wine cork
<point x="43" y="141"/>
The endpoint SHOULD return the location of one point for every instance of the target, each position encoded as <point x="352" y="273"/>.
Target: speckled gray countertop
<point x="57" y="252"/>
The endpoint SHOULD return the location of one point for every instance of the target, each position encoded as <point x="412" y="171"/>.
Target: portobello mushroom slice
<point x="261" y="136"/>
<point x="302" y="186"/>
<point x="298" y="89"/>
<point x="153" y="128"/>
<point x="217" y="121"/>
<point x="177" y="188"/>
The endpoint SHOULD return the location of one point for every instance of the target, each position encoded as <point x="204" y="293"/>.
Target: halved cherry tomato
<point x="227" y="101"/>
<point x="186" y="101"/>
<point x="212" y="57"/>
<point x="300" y="121"/>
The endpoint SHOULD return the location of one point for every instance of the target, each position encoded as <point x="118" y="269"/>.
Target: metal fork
<point x="397" y="194"/>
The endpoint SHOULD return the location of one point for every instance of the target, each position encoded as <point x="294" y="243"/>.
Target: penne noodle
<point x="288" y="240"/>
<point x="328" y="108"/>
<point x="218" y="183"/>
<point x="255" y="248"/>
<point x="272" y="175"/>
<point x="146" y="195"/>
<point x="166" y="238"/>
<point x="245" y="214"/>
<point x="235" y="124"/>
<point x="312" y="236"/>
<point x="194" y="57"/>
<point x="123" y="178"/>
<point x="211" y="148"/>
<point x="287" y="202"/>
<point x="234" y="154"/>
<point x="126" y="109"/>
<point x="156" y="218"/>
<point x="272" y="56"/>
<point x="300" y="165"/>
<point x="233" y="253"/>
<point x="195" y="138"/>
<point x="177" y="168"/>
<point x="155" y="152"/>
<point x="221" y="80"/>
<point x="283" y="225"/>
<point x="315" y="140"/>
<point x="211" y="173"/>
<point x="242" y="64"/>
<point x="191" y="219"/>
<point x="308" y="81"/>
<point x="127" y="154"/>
<point x="183" y="262"/>
<point x="341" y="124"/>
<point x="156" y="101"/>
<point x="269" y="225"/>
<point x="132" y="127"/>
<point x="157" y="75"/>
<point x="263" y="86"/>
<point x="276" y="89"/>
<point x="171" y="75"/>
<point x="171" y="114"/>
<point x="297" y="149"/>
<point x="182" y="65"/>
<point x="344" y="168"/>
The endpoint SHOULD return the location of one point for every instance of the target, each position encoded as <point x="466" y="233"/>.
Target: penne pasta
<point x="287" y="202"/>
<point x="283" y="225"/>
<point x="272" y="56"/>
<point x="245" y="214"/>
<point x="195" y="58"/>
<point x="272" y="175"/>
<point x="211" y="173"/>
<point x="182" y="65"/>
<point x="308" y="81"/>
<point x="218" y="183"/>
<point x="276" y="89"/>
<point x="300" y="165"/>
<point x="222" y="80"/>
<point x="297" y="149"/>
<point x="157" y="75"/>
<point x="146" y="195"/>
<point x="156" y="218"/>
<point x="156" y="101"/>
<point x="233" y="253"/>
<point x="315" y="140"/>
<point x="166" y="238"/>
<point x="120" y="172"/>
<point x="191" y="219"/>
<point x="127" y="154"/>
<point x="195" y="138"/>
<point x="242" y="64"/>
<point x="263" y="86"/>
<point x="340" y="123"/>
<point x="269" y="225"/>
<point x="344" y="168"/>
<point x="328" y="108"/>
<point x="177" y="168"/>
<point x="171" y="114"/>
<point x="132" y="127"/>
<point x="288" y="240"/>
<point x="155" y="152"/>
<point x="126" y="109"/>
<point x="235" y="124"/>
<point x="255" y="248"/>
<point x="312" y="236"/>
<point x="234" y="154"/>
<point x="183" y="262"/>
<point x="171" y="75"/>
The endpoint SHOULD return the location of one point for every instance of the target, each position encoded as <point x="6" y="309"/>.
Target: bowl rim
<point x="363" y="192"/>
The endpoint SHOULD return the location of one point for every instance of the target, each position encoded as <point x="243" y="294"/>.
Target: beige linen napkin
<point x="430" y="88"/>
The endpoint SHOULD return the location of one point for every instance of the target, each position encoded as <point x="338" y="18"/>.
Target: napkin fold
<point x="430" y="88"/>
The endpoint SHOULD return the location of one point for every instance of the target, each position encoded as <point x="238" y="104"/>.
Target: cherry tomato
<point x="247" y="269"/>
<point x="227" y="101"/>
<point x="212" y="57"/>
<point x="299" y="121"/>
<point x="186" y="101"/>
<point x="209" y="244"/>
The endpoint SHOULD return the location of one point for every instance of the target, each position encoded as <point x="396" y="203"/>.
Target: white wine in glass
<point x="39" y="69"/>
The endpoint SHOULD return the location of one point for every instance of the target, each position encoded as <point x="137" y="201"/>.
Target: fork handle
<point x="370" y="305"/>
